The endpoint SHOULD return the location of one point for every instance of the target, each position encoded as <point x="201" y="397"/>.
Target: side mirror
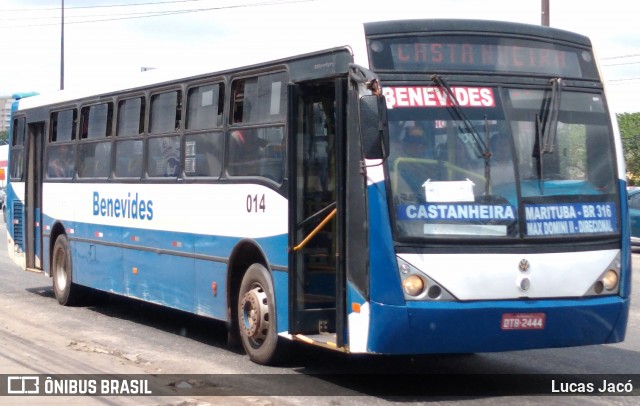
<point x="373" y="127"/>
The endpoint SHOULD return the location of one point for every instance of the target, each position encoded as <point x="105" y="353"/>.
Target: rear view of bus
<point x="500" y="195"/>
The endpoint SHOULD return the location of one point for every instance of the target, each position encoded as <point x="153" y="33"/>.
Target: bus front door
<point x="33" y="198"/>
<point x="316" y="270"/>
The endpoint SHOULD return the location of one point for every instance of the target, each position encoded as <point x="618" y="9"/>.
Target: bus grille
<point x="18" y="233"/>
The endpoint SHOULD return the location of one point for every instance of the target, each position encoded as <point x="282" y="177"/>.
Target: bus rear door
<point x="33" y="197"/>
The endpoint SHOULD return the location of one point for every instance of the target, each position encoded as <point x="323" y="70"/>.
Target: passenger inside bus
<point x="245" y="152"/>
<point x="413" y="162"/>
<point x="61" y="162"/>
<point x="415" y="143"/>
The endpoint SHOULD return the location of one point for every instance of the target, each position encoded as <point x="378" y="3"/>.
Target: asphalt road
<point x="122" y="336"/>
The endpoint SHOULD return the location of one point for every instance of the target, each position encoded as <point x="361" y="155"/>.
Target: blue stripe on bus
<point x="383" y="273"/>
<point x="625" y="230"/>
<point x="281" y="286"/>
<point x="164" y="267"/>
<point x="185" y="243"/>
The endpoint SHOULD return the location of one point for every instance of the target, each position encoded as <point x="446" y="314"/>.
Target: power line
<point x="103" y="6"/>
<point x="57" y="17"/>
<point x="621" y="63"/>
<point x="617" y="81"/>
<point x="130" y="16"/>
<point x="620" y="56"/>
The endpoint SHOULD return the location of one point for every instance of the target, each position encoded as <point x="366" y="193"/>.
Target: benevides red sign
<point x="433" y="96"/>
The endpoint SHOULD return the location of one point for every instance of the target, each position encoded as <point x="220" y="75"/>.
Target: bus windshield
<point x="500" y="163"/>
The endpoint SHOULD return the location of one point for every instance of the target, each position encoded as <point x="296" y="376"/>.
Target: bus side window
<point x="164" y="156"/>
<point x="96" y="121"/>
<point x="244" y="152"/>
<point x="131" y="117"/>
<point x="19" y="128"/>
<point x="129" y="159"/>
<point x="272" y="165"/>
<point x="128" y="152"/>
<point x="94" y="158"/>
<point x="259" y="100"/>
<point x="203" y="154"/>
<point x="204" y="107"/>
<point x="258" y="151"/>
<point x="60" y="161"/>
<point x="63" y="125"/>
<point x="203" y="150"/>
<point x="17" y="164"/>
<point x="61" y="157"/>
<point x="165" y="112"/>
<point x="164" y="152"/>
<point x="17" y="148"/>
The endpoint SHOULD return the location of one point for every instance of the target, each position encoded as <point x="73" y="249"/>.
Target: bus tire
<point x="67" y="293"/>
<point x="257" y="317"/>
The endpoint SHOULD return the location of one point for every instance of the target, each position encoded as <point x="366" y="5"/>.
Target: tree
<point x="629" y="124"/>
<point x="4" y="137"/>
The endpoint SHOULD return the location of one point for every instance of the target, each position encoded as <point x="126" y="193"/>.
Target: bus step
<point x="319" y="301"/>
<point x="315" y="268"/>
<point x="322" y="340"/>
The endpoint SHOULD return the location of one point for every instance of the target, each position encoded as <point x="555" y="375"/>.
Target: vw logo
<point x="524" y="265"/>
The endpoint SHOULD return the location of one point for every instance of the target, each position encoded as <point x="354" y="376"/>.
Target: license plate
<point x="523" y="321"/>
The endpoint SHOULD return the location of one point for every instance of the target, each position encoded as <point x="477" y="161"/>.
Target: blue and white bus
<point x="456" y="186"/>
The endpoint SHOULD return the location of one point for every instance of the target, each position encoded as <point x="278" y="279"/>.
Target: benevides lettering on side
<point x="128" y="207"/>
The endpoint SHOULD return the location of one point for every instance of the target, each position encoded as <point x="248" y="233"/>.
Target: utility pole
<point x="545" y="12"/>
<point x="62" y="48"/>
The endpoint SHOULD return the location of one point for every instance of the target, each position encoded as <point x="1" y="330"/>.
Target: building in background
<point x="5" y="119"/>
<point x="5" y="112"/>
<point x="4" y="163"/>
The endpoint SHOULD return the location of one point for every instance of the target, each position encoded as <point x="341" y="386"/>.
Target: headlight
<point x="413" y="285"/>
<point x="610" y="279"/>
<point x="417" y="285"/>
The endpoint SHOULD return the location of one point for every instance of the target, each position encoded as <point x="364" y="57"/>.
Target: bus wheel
<point x="257" y="317"/>
<point x="65" y="290"/>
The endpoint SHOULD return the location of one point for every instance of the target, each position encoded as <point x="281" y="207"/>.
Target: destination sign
<point x="431" y="96"/>
<point x="571" y="218"/>
<point x="481" y="54"/>
<point x="458" y="212"/>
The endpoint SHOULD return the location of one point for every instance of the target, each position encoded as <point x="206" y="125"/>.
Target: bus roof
<point x="157" y="77"/>
<point x="473" y="26"/>
<point x="167" y="76"/>
<point x="141" y="80"/>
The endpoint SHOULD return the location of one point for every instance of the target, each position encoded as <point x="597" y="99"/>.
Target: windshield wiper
<point x="547" y="128"/>
<point x="481" y="147"/>
<point x="550" y="112"/>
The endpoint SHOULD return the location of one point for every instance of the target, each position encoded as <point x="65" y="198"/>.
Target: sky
<point x="107" y="42"/>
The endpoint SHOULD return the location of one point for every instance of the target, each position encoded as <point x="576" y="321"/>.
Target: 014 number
<point x="256" y="203"/>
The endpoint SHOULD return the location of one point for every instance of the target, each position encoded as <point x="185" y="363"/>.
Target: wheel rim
<point x="254" y="310"/>
<point x="61" y="274"/>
